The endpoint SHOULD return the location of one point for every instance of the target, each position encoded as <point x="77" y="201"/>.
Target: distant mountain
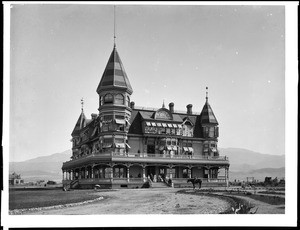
<point x="243" y="163"/>
<point x="41" y="168"/>
<point x="258" y="174"/>
<point x="245" y="160"/>
<point x="56" y="157"/>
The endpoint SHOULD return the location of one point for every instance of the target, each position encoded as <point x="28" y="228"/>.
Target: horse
<point x="195" y="181"/>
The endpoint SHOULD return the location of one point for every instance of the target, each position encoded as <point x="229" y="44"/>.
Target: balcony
<point x="98" y="157"/>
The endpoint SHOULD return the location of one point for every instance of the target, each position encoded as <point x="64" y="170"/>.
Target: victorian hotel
<point x="124" y="145"/>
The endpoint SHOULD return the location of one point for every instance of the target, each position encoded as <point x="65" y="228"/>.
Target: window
<point x="108" y="99"/>
<point x="108" y="118"/>
<point x="101" y="173"/>
<point x="162" y="130"/>
<point x="184" y="173"/>
<point x="211" y="132"/>
<point x="119" y="172"/>
<point x="121" y="117"/>
<point x="108" y="141"/>
<point x="107" y="172"/>
<point x="214" y="173"/>
<point x="105" y="128"/>
<point x="128" y="101"/>
<point x="168" y="130"/>
<point x="101" y="100"/>
<point x="147" y="129"/>
<point x="187" y="129"/>
<point x="119" y="99"/>
<point x="173" y="132"/>
<point x="216" y="131"/>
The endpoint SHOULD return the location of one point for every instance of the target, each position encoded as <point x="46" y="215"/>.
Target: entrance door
<point x="151" y="149"/>
<point x="150" y="172"/>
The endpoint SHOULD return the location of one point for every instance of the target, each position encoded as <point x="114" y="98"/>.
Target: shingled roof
<point x="81" y="122"/>
<point x="207" y="115"/>
<point x="114" y="74"/>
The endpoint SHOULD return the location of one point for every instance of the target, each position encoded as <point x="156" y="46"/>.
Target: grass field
<point x="273" y="200"/>
<point x="23" y="199"/>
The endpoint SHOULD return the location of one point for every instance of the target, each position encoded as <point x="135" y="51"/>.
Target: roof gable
<point x="81" y="122"/>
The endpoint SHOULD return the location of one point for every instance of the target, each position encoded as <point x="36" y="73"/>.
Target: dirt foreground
<point x="150" y="201"/>
<point x="142" y="201"/>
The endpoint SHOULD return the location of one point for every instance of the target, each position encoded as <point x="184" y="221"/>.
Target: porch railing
<point x="122" y="180"/>
<point x="208" y="180"/>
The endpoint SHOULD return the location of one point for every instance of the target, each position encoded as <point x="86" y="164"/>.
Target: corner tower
<point x="114" y="92"/>
<point x="210" y="130"/>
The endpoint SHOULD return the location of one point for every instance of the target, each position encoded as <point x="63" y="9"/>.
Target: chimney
<point x="189" y="109"/>
<point x="93" y="115"/>
<point x="132" y="105"/>
<point x="171" y="107"/>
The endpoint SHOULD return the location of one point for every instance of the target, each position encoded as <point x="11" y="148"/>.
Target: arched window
<point x="119" y="99"/>
<point x="108" y="99"/>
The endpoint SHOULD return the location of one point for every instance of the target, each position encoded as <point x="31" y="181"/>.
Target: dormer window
<point x="108" y="99"/>
<point x="188" y="129"/>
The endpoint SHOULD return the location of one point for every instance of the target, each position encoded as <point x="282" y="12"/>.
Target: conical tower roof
<point x="207" y="115"/>
<point x="114" y="75"/>
<point x="81" y="122"/>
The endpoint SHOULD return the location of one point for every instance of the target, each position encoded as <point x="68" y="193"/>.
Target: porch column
<point x="144" y="173"/>
<point x="111" y="172"/>
<point x="69" y="172"/>
<point x="226" y="176"/>
<point x="189" y="171"/>
<point x="128" y="176"/>
<point x="92" y="172"/>
<point x="63" y="176"/>
<point x="171" y="171"/>
<point x="86" y="172"/>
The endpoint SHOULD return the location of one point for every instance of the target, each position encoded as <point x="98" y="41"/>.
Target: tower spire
<point x="114" y="26"/>
<point x="82" y="102"/>
<point x="206" y="94"/>
<point x="163" y="105"/>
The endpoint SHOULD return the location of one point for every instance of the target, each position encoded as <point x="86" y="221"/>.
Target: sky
<point x="170" y="53"/>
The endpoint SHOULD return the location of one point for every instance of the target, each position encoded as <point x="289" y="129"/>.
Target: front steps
<point x="159" y="185"/>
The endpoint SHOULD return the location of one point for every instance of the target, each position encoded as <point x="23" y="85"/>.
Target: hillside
<point x="258" y="174"/>
<point x="243" y="163"/>
<point x="246" y="160"/>
<point x="41" y="168"/>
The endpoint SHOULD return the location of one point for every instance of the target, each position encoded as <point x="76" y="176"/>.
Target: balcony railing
<point x="152" y="156"/>
<point x="147" y="155"/>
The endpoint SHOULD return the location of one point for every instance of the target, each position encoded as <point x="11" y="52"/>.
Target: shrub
<point x="146" y="185"/>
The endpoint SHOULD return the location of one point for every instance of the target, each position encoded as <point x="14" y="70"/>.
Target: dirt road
<point x="143" y="201"/>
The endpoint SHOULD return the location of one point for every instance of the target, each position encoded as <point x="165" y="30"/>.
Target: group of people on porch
<point x="154" y="178"/>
